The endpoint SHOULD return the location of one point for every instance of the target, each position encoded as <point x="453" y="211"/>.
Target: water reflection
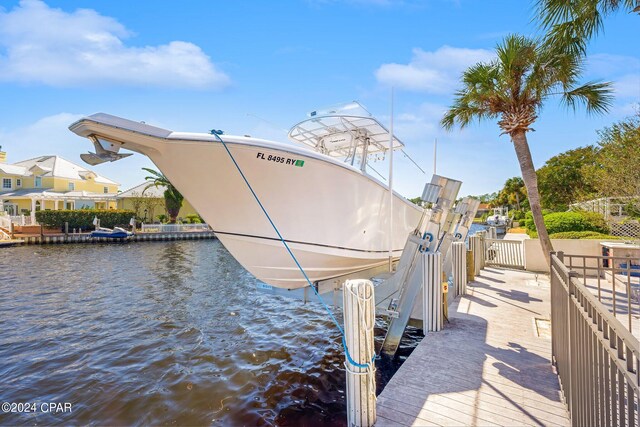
<point x="163" y="333"/>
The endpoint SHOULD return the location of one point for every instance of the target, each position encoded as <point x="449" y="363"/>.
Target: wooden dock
<point x="489" y="366"/>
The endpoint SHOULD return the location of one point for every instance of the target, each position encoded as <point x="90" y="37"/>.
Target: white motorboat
<point x="334" y="216"/>
<point x="500" y="217"/>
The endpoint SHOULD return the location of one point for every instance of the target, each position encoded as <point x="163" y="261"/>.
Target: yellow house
<point x="51" y="182"/>
<point x="148" y="203"/>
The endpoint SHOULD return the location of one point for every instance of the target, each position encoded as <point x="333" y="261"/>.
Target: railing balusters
<point x="505" y="253"/>
<point x="596" y="356"/>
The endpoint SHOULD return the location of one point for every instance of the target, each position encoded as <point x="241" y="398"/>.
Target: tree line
<point x="608" y="168"/>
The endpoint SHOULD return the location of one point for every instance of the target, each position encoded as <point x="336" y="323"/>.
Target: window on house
<point x="72" y="186"/>
<point x="18" y="182"/>
<point x="7" y="184"/>
<point x="37" y="182"/>
<point x="106" y="190"/>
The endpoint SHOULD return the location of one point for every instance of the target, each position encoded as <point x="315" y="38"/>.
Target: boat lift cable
<point x="344" y="342"/>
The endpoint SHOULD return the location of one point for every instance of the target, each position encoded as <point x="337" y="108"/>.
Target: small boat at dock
<point x="115" y="233"/>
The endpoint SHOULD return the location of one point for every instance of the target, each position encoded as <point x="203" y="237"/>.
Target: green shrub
<point x="518" y="215"/>
<point x="193" y="219"/>
<point x="575" y="221"/>
<point x="83" y="218"/>
<point x="583" y="235"/>
<point x="559" y="222"/>
<point x="529" y="225"/>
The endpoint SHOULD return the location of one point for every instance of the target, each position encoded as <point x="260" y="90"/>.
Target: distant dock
<point x="37" y="239"/>
<point x="490" y="365"/>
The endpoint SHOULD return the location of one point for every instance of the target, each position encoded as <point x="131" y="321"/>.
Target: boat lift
<point x="405" y="285"/>
<point x="398" y="293"/>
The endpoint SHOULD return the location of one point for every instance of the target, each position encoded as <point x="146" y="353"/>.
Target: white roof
<point x="43" y="193"/>
<point x="14" y="170"/>
<point x="54" y="166"/>
<point x="139" y="191"/>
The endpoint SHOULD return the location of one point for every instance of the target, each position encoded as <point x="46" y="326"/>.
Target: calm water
<point x="164" y="333"/>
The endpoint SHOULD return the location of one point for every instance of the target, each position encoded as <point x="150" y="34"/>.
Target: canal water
<point x="171" y="333"/>
<point x="168" y="333"/>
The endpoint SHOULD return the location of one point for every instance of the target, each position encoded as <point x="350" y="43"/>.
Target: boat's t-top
<point x="348" y="131"/>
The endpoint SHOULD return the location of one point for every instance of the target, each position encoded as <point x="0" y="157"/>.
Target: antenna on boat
<point x="391" y="183"/>
<point x="435" y="154"/>
<point x="413" y="161"/>
<point x="268" y="122"/>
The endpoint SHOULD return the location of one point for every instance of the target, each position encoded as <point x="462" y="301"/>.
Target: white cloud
<point x="375" y="3"/>
<point x="623" y="71"/>
<point x="627" y="109"/>
<point x="82" y="48"/>
<point x="435" y="72"/>
<point x="421" y="123"/>
<point x="606" y="64"/>
<point x="627" y="86"/>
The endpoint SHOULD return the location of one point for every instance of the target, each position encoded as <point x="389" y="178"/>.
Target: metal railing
<point x="608" y="207"/>
<point x="504" y="253"/>
<point x="596" y="357"/>
<point x="614" y="280"/>
<point x="174" y="228"/>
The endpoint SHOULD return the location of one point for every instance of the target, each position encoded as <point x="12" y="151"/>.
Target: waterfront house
<point x="148" y="202"/>
<point x="51" y="182"/>
<point x="483" y="208"/>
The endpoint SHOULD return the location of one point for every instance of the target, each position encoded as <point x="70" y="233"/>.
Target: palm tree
<point x="172" y="197"/>
<point x="571" y="23"/>
<point x="513" y="88"/>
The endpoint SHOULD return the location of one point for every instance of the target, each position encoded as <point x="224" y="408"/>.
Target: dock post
<point x="359" y="320"/>
<point x="470" y="276"/>
<point x="432" y="319"/>
<point x="459" y="258"/>
<point x="492" y="233"/>
<point x="483" y="261"/>
<point x="476" y="243"/>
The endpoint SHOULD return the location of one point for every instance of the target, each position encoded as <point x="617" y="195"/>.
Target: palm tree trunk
<point x="530" y="179"/>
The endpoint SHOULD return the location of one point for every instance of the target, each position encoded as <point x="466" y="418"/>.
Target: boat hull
<point x="334" y="218"/>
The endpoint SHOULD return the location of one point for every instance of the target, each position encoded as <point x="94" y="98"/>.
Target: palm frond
<point x="572" y="22"/>
<point x="596" y="97"/>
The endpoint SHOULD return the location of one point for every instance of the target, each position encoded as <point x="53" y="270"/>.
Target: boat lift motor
<point x="467" y="208"/>
<point x="406" y="283"/>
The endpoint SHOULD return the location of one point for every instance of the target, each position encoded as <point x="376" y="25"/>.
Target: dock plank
<point x="488" y="366"/>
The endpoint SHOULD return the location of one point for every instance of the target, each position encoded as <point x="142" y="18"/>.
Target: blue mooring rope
<point x="344" y="342"/>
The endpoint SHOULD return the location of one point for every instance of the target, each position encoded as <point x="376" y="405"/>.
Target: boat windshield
<point x="348" y="131"/>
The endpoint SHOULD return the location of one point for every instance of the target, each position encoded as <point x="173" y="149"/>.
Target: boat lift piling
<point x="409" y="278"/>
<point x="467" y="209"/>
<point x="359" y="321"/>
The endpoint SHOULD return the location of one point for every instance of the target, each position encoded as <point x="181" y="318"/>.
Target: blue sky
<point x="258" y="67"/>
